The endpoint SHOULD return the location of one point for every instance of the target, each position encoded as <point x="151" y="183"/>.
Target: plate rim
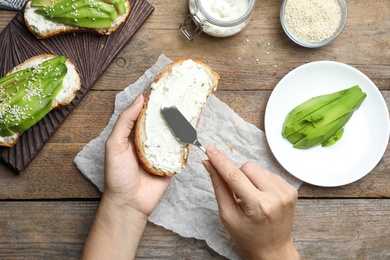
<point x="372" y="87"/>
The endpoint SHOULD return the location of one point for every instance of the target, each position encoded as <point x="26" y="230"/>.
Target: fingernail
<point x="211" y="149"/>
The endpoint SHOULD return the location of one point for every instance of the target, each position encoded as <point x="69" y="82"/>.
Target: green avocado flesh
<point x="320" y="120"/>
<point x="82" y="13"/>
<point x="26" y="96"/>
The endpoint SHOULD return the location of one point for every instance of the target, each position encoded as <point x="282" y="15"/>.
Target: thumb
<point x="127" y="118"/>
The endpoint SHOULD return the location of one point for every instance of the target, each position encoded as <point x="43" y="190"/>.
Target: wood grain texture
<point x="46" y="211"/>
<point x="91" y="55"/>
<point x="344" y="229"/>
<point x="60" y="178"/>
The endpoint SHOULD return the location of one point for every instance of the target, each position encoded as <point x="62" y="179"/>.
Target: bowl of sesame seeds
<point x="313" y="23"/>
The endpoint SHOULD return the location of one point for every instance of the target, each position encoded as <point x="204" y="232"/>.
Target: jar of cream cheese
<point x="219" y="18"/>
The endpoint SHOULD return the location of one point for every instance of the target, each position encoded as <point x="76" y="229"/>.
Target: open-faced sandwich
<point x="31" y="90"/>
<point x="186" y="84"/>
<point x="47" y="18"/>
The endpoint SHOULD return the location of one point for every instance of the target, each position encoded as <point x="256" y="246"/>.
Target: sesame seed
<point x="15" y="106"/>
<point x="313" y="20"/>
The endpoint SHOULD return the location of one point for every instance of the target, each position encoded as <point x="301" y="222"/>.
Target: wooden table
<point x="46" y="211"/>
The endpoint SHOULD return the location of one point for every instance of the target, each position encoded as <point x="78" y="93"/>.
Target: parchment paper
<point x="189" y="207"/>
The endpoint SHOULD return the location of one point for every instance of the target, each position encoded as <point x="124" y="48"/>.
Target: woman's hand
<point x="256" y="207"/>
<point x="130" y="194"/>
<point x="125" y="181"/>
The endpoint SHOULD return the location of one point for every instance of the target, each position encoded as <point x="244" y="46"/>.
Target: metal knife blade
<point x="180" y="127"/>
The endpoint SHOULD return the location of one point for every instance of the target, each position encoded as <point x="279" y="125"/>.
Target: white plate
<point x="365" y="137"/>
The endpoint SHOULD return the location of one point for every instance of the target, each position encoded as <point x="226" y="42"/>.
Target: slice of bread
<point x="186" y="83"/>
<point x="71" y="84"/>
<point x="43" y="28"/>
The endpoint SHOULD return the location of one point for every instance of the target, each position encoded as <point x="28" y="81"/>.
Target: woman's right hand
<point x="256" y="207"/>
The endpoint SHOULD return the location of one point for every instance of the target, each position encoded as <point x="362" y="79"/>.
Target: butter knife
<point x="180" y="127"/>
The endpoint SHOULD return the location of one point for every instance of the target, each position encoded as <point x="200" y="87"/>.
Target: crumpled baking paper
<point x="188" y="207"/>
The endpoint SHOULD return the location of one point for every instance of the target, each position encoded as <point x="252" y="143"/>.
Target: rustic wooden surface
<point x="90" y="54"/>
<point x="46" y="212"/>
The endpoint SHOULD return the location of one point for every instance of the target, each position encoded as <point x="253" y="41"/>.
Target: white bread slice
<point x="71" y="84"/>
<point x="43" y="28"/>
<point x="186" y="83"/>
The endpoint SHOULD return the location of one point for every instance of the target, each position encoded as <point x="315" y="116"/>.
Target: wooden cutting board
<point x="91" y="54"/>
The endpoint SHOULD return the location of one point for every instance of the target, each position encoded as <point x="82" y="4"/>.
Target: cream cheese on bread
<point x="43" y="28"/>
<point x="70" y="85"/>
<point x="187" y="86"/>
<point x="40" y="24"/>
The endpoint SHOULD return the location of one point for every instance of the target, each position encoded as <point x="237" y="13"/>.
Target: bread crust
<point x="139" y="130"/>
<point x="10" y="141"/>
<point x="74" y="29"/>
<point x="140" y="124"/>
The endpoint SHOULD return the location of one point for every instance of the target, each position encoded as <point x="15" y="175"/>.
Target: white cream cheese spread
<point x="224" y="11"/>
<point x="185" y="86"/>
<point x="43" y="26"/>
<point x="40" y="24"/>
<point x="70" y="81"/>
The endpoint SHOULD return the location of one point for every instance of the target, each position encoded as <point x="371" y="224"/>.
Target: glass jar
<point x="313" y="33"/>
<point x="219" y="18"/>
